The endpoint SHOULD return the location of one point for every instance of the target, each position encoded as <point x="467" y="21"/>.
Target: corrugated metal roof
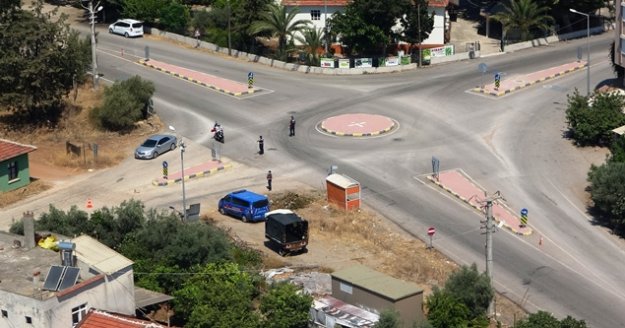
<point x="145" y="297"/>
<point x="99" y="256"/>
<point x="377" y="282"/>
<point x="620" y="130"/>
<point x="10" y="149"/>
<point x="101" y="319"/>
<point x="341" y="180"/>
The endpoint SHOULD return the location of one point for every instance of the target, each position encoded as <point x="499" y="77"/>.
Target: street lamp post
<point x="94" y="63"/>
<point x="229" y="39"/>
<point x="587" y="48"/>
<point x="184" y="196"/>
<point x="325" y="24"/>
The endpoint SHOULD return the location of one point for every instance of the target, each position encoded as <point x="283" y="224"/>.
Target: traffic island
<point x="357" y="125"/>
<point x="216" y="83"/>
<point x="193" y="172"/>
<point x="464" y="188"/>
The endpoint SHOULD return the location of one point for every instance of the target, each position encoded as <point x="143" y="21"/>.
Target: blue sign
<point x="524" y="212"/>
<point x="482" y="67"/>
<point x="250" y="75"/>
<point x="497" y="76"/>
<point x="164" y="164"/>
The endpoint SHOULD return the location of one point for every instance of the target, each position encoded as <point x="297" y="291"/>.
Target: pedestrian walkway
<point x="230" y="87"/>
<point x="461" y="186"/>
<point x="193" y="172"/>
<point x="513" y="83"/>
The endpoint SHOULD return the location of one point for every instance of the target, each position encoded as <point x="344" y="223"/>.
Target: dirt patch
<point x="97" y="149"/>
<point x="35" y="187"/>
<point x="339" y="239"/>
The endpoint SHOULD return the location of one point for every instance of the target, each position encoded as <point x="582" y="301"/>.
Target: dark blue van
<point x="247" y="205"/>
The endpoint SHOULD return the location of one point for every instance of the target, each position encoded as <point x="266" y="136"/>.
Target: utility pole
<point x="94" y="63"/>
<point x="419" y="27"/>
<point x="325" y="24"/>
<point x="489" y="227"/>
<point x="229" y="39"/>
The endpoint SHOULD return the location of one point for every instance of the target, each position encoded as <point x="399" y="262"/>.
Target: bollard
<point x="122" y="52"/>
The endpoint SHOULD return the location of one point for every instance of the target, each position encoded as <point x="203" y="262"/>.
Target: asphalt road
<point x="513" y="144"/>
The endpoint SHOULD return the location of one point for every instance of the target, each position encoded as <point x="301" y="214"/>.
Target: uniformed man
<point x="261" y="145"/>
<point x="292" y="127"/>
<point x="269" y="178"/>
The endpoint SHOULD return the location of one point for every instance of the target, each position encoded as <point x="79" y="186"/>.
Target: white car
<point x="127" y="28"/>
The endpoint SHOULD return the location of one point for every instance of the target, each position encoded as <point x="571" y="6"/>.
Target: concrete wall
<point x="305" y="14"/>
<point x="373" y="70"/>
<point x="23" y="176"/>
<point x="115" y="294"/>
<point x="437" y="36"/>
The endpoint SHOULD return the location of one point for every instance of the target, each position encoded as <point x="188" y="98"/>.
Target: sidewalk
<point x="458" y="184"/>
<point x="193" y="172"/>
<point x="214" y="82"/>
<point x="516" y="82"/>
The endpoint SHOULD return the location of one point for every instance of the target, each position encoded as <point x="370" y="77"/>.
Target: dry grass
<point x="35" y="187"/>
<point x="394" y="253"/>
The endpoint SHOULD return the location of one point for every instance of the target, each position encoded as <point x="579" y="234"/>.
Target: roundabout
<point x="357" y="125"/>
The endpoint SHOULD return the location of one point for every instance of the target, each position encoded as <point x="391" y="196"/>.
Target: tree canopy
<point x="523" y="16"/>
<point x="40" y="60"/>
<point x="283" y="307"/>
<point x="590" y="123"/>
<point x="277" y="21"/>
<point x="542" y="319"/>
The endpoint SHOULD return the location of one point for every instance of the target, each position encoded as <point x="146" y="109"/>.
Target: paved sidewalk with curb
<point x="214" y="82"/>
<point x="461" y="186"/>
<point x="193" y="172"/>
<point x="514" y="83"/>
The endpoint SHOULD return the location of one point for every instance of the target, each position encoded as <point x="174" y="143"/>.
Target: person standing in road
<point x="269" y="178"/>
<point x="292" y="127"/>
<point x="261" y="145"/>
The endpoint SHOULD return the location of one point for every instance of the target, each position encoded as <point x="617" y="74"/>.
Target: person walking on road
<point x="292" y="127"/>
<point x="197" y="37"/>
<point x="269" y="178"/>
<point x="261" y="145"/>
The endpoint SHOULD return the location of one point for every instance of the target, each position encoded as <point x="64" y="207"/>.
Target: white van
<point x="127" y="28"/>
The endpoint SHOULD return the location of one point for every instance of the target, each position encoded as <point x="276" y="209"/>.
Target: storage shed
<point x="343" y="191"/>
<point x="374" y="291"/>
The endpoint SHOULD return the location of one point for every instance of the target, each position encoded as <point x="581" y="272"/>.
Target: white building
<point x="318" y="11"/>
<point x="619" y="34"/>
<point x="31" y="295"/>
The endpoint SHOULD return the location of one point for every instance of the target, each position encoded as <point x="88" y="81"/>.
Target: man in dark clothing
<point x="261" y="145"/>
<point x="269" y="178"/>
<point x="292" y="127"/>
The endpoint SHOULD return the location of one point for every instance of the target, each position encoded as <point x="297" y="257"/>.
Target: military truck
<point x="287" y="231"/>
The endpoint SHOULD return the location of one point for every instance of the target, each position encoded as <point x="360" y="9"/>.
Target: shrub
<point x="592" y="124"/>
<point x="125" y="103"/>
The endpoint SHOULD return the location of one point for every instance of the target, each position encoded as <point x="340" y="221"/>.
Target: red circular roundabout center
<point x="358" y="125"/>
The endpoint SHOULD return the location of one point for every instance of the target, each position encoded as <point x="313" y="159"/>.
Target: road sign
<point x="523" y="222"/>
<point x="435" y="167"/>
<point x="497" y="80"/>
<point x="431" y="231"/>
<point x="482" y="67"/>
<point x="250" y="80"/>
<point x="250" y="75"/>
<point x="164" y="164"/>
<point x="524" y="212"/>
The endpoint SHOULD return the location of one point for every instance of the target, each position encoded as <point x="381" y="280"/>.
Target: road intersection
<point x="512" y="144"/>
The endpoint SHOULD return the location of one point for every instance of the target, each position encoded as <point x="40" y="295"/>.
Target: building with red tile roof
<point x="101" y="319"/>
<point x="14" y="165"/>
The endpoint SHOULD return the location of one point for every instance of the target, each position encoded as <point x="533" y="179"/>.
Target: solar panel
<point x="53" y="278"/>
<point x="69" y="278"/>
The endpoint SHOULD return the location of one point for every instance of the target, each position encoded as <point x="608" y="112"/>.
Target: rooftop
<point x="341" y="180"/>
<point x="345" y="314"/>
<point x="18" y="265"/>
<point x="101" y="319"/>
<point x="99" y="256"/>
<point x="10" y="149"/>
<point x="315" y="3"/>
<point x="377" y="282"/>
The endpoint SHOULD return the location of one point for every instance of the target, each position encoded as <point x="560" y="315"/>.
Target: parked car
<point x="127" y="27"/>
<point x="246" y="205"/>
<point x="287" y="231"/>
<point x="156" y="145"/>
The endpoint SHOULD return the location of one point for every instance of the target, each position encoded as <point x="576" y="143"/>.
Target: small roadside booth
<point x="343" y="191"/>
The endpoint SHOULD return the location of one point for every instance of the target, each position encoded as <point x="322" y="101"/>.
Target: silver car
<point x="156" y="145"/>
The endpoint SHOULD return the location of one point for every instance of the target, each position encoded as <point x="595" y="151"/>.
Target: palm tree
<point x="312" y="39"/>
<point x="279" y="22"/>
<point x="523" y="15"/>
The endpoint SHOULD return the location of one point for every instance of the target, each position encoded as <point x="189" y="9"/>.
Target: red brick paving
<point x="461" y="186"/>
<point x="197" y="171"/>
<point x="212" y="81"/>
<point x="509" y="84"/>
<point x="357" y="125"/>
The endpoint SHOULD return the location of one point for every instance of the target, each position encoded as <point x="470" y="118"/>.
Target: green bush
<point x="592" y="124"/>
<point x="125" y="103"/>
<point x="174" y="17"/>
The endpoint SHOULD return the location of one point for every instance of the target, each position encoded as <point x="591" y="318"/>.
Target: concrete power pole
<point x="94" y="63"/>
<point x="489" y="227"/>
